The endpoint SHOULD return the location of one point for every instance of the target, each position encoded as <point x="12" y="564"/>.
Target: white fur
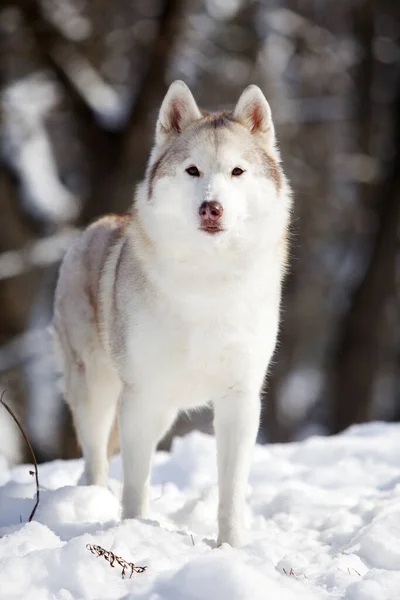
<point x="192" y="318"/>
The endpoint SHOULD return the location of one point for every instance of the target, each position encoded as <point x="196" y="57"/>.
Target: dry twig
<point x="8" y="409"/>
<point x="291" y="573"/>
<point x="112" y="558"/>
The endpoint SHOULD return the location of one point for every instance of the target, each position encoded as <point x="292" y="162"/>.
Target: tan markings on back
<point x="106" y="233"/>
<point x="117" y="273"/>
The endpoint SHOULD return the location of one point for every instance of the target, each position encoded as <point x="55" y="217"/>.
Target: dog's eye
<point x="193" y="171"/>
<point x="237" y="171"/>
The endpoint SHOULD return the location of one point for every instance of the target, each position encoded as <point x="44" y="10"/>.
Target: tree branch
<point x="8" y="409"/>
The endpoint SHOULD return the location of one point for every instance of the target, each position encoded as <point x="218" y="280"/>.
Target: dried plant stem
<point x="112" y="558"/>
<point x="8" y="409"/>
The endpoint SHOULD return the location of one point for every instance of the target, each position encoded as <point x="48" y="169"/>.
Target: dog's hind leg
<point x="92" y="391"/>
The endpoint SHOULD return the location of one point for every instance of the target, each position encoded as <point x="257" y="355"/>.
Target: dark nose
<point x="210" y="210"/>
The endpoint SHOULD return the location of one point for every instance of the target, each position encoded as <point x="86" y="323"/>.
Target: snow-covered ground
<point x="324" y="518"/>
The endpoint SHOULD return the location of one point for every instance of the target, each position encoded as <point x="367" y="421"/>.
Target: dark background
<point x="81" y="83"/>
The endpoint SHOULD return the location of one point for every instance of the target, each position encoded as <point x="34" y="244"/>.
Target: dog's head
<point x="214" y="179"/>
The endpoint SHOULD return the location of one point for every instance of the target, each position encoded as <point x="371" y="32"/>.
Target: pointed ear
<point x="177" y="111"/>
<point x="253" y="111"/>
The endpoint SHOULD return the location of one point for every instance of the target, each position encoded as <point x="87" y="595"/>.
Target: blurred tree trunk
<point x="396" y="416"/>
<point x="357" y="359"/>
<point x="311" y="140"/>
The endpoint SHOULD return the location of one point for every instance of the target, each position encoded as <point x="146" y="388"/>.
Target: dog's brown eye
<point x="193" y="171"/>
<point x="237" y="171"/>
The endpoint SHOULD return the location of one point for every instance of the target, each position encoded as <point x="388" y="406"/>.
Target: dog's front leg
<point x="142" y="423"/>
<point x="236" y="424"/>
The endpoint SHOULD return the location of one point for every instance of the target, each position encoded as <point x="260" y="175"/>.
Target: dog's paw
<point x="83" y="480"/>
<point x="234" y="537"/>
<point x="88" y="479"/>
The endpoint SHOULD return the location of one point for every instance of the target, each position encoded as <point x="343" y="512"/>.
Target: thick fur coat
<point x="176" y="304"/>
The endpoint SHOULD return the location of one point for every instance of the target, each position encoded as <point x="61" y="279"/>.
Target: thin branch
<point x="8" y="409"/>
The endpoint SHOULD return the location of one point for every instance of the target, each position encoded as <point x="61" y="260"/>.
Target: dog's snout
<point x="211" y="210"/>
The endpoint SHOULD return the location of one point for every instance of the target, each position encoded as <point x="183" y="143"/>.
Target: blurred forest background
<point x="81" y="83"/>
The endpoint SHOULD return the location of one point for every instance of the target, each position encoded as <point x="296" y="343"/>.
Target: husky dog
<point x="176" y="304"/>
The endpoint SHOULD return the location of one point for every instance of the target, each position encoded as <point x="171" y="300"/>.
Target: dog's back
<point x="77" y="299"/>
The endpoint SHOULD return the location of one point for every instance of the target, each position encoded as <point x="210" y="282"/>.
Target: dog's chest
<point x="190" y="361"/>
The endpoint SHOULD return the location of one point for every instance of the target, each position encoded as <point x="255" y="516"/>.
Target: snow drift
<point x="323" y="516"/>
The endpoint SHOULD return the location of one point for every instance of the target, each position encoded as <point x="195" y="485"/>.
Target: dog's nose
<point x="211" y="210"/>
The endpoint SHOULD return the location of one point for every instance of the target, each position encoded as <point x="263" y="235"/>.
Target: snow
<point x="323" y="515"/>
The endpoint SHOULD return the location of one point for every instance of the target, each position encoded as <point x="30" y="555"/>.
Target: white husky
<point x="176" y="304"/>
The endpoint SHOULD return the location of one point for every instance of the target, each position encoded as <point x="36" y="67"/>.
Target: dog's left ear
<point x="253" y="111"/>
<point x="177" y="111"/>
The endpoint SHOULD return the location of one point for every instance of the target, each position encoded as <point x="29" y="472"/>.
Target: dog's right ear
<point x="254" y="112"/>
<point x="177" y="111"/>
